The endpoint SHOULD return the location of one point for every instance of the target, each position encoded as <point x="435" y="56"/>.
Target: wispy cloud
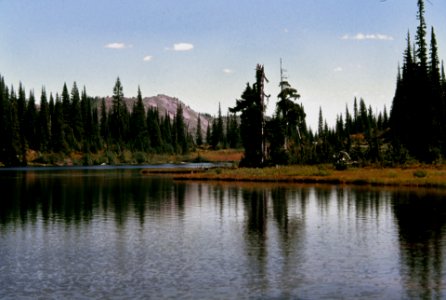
<point x="228" y="71"/>
<point x="148" y="58"/>
<point x="362" y="37"/>
<point x="117" y="46"/>
<point x="183" y="47"/>
<point x="338" y="69"/>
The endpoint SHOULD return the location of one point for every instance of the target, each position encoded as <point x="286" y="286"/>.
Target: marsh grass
<point x="417" y="176"/>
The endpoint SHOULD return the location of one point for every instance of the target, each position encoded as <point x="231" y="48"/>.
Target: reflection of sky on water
<point x="126" y="235"/>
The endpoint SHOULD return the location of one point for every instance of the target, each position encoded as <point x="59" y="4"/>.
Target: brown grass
<point x="415" y="176"/>
<point x="227" y="155"/>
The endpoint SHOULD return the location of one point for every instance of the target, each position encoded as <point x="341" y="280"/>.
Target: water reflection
<point x="421" y="219"/>
<point x="80" y="196"/>
<point x="142" y="236"/>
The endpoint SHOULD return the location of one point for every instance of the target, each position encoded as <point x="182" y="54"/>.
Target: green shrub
<point x="139" y="157"/>
<point x="419" y="173"/>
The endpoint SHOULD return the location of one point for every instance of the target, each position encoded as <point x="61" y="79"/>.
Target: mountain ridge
<point x="167" y="105"/>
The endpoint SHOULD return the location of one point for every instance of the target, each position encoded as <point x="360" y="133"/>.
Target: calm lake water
<point x="116" y="234"/>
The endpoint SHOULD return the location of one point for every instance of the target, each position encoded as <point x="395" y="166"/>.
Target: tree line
<point x="415" y="130"/>
<point x="285" y="137"/>
<point x="419" y="107"/>
<point x="73" y="121"/>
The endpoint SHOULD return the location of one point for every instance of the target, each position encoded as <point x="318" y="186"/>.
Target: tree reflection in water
<point x="421" y="219"/>
<point x="275" y="241"/>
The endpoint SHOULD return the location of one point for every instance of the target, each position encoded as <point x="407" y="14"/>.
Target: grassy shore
<point x="414" y="176"/>
<point x="127" y="157"/>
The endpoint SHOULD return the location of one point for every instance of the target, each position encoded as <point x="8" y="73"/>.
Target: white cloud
<point x="148" y="58"/>
<point x="183" y="47"/>
<point x="228" y="71"/>
<point x="362" y="37"/>
<point x="338" y="69"/>
<point x="117" y="46"/>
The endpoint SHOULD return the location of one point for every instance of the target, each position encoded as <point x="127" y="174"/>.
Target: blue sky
<point x="205" y="51"/>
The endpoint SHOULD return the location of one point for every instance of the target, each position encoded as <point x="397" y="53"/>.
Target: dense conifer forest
<point x="55" y="125"/>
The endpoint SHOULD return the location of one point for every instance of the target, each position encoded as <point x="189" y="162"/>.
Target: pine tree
<point x="30" y="123"/>
<point x="12" y="145"/>
<point x="252" y="111"/>
<point x="180" y="131"/>
<point x="59" y="143"/>
<point x="166" y="133"/>
<point x="438" y="106"/>
<point x="417" y="110"/>
<point x="198" y="134"/>
<point x="43" y="128"/>
<point x="3" y="117"/>
<point x="65" y="119"/>
<point x="87" y="119"/>
<point x="118" y="116"/>
<point x="9" y="126"/>
<point x="208" y="134"/>
<point x="154" y="127"/>
<point x="138" y="125"/>
<point x="104" y="124"/>
<point x="421" y="38"/>
<point x="290" y="124"/>
<point x="75" y="120"/>
<point x="217" y="133"/>
<point x="348" y="121"/>
<point x="51" y="106"/>
<point x="21" y="110"/>
<point x="96" y="143"/>
<point x="320" y="128"/>
<point x="233" y="133"/>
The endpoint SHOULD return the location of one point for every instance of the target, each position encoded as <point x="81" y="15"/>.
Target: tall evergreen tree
<point x="43" y="129"/>
<point x="75" y="120"/>
<point x="420" y="38"/>
<point x="104" y="123"/>
<point x="217" y="134"/>
<point x="30" y="123"/>
<point x="87" y="120"/>
<point x="252" y="111"/>
<point x="438" y="106"/>
<point x="65" y="118"/>
<point x="320" y="122"/>
<point x="209" y="134"/>
<point x="9" y="126"/>
<point x="154" y="127"/>
<point x="417" y="110"/>
<point x="138" y="125"/>
<point x="4" y="104"/>
<point x="166" y="133"/>
<point x="355" y="116"/>
<point x="59" y="143"/>
<point x="96" y="142"/>
<point x="198" y="134"/>
<point x="21" y="110"/>
<point x="290" y="114"/>
<point x="233" y="132"/>
<point x="180" y="131"/>
<point x="118" y="115"/>
<point x="13" y="139"/>
<point x="286" y="129"/>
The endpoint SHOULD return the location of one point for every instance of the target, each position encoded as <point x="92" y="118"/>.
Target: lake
<point x="115" y="233"/>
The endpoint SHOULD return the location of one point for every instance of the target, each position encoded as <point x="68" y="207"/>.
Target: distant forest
<point x="415" y="129"/>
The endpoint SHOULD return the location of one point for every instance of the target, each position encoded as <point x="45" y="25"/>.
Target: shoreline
<point x="415" y="176"/>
